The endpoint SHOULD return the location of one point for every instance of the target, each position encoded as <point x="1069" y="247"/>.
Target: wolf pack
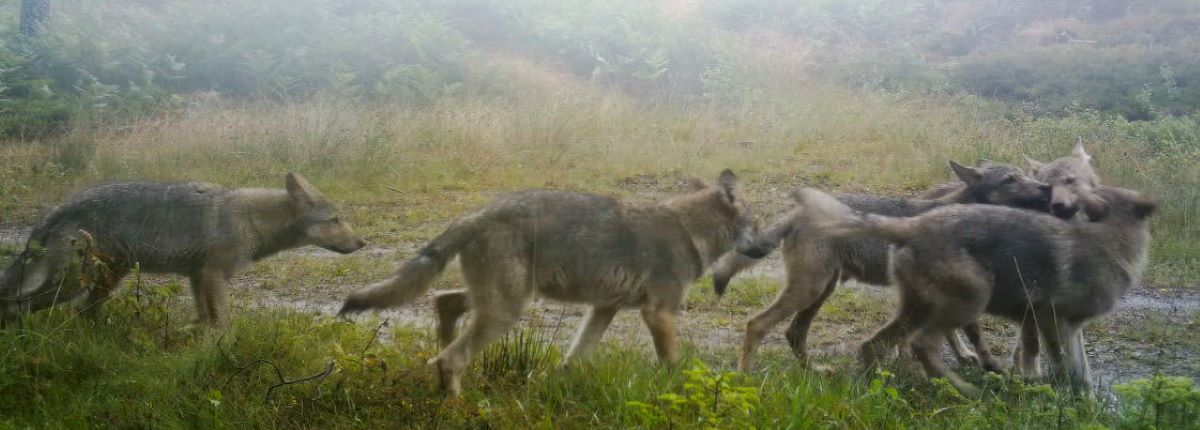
<point x="1048" y="247"/>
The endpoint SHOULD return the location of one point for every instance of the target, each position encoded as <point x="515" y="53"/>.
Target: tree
<point x="33" y="16"/>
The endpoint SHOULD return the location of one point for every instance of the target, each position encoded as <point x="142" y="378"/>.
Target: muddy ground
<point x="1153" y="330"/>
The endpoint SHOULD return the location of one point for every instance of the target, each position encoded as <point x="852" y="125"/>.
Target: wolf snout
<point x="1062" y="210"/>
<point x="357" y="245"/>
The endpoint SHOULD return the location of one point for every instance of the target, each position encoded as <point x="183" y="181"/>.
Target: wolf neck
<point x="961" y="195"/>
<point x="272" y="221"/>
<point x="710" y="234"/>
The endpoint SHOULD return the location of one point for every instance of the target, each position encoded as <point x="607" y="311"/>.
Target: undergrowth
<point x="142" y="364"/>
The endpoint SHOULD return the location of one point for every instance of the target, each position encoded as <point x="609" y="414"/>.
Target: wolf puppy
<point x="954" y="263"/>
<point x="198" y="230"/>
<point x="570" y="247"/>
<point x="1071" y="179"/>
<point x="816" y="262"/>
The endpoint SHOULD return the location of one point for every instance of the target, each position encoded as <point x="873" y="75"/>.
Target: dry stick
<point x="362" y="355"/>
<point x="1028" y="311"/>
<point x="278" y="373"/>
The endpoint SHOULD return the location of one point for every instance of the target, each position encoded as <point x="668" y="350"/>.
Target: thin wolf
<point x="1072" y="179"/>
<point x="570" y="247"/>
<point x="198" y="230"/>
<point x="816" y="262"/>
<point x="954" y="263"/>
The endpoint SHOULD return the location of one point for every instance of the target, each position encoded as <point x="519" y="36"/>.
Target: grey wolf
<point x="570" y="247"/>
<point x="815" y="262"/>
<point x="1071" y="179"/>
<point x="954" y="263"/>
<point x="198" y="230"/>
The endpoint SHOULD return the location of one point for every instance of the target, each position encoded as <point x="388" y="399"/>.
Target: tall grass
<point x="58" y="370"/>
<point x="586" y="137"/>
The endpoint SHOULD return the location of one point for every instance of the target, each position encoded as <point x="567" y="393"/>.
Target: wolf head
<point x="1071" y="179"/>
<point x="718" y="216"/>
<point x="745" y="224"/>
<point x="1003" y="184"/>
<point x="317" y="219"/>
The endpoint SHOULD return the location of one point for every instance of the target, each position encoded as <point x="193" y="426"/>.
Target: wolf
<point x="954" y="263"/>
<point x="569" y="247"/>
<point x="1072" y="179"/>
<point x="198" y="230"/>
<point x="816" y="262"/>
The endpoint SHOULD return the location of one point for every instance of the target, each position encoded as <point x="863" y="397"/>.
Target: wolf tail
<point x="747" y="256"/>
<point x="418" y="273"/>
<point x="836" y="219"/>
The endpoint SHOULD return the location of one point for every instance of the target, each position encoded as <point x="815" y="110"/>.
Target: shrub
<point x="1160" y="402"/>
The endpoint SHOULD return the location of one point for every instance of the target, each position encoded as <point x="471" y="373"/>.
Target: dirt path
<point x="1152" y="330"/>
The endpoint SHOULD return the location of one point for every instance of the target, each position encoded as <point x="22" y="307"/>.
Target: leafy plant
<point x="1160" y="402"/>
<point x="709" y="400"/>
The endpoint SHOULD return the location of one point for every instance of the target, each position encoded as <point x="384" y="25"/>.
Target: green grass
<point x="401" y="173"/>
<point x="141" y="366"/>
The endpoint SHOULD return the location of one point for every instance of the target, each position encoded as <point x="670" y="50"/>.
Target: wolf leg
<point x="211" y="286"/>
<point x="911" y="313"/>
<point x="498" y="290"/>
<point x="661" y="322"/>
<point x="1025" y="356"/>
<point x="591" y="331"/>
<point x="961" y="352"/>
<point x="927" y="347"/>
<point x="489" y="319"/>
<point x="797" y="331"/>
<point x="1053" y="346"/>
<point x="1077" y="366"/>
<point x="985" y="358"/>
<point x="450" y="307"/>
<point x="804" y="291"/>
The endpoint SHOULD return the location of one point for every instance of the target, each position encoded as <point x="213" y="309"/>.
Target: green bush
<point x="1160" y="402"/>
<point x="1138" y="83"/>
<point x="630" y="43"/>
<point x="116" y="58"/>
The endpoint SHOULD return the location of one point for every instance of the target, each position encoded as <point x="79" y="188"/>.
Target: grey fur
<point x="198" y="230"/>
<point x="815" y="262"/>
<point x="1072" y="180"/>
<point x="571" y="247"/>
<point x="1070" y="177"/>
<point x="954" y="263"/>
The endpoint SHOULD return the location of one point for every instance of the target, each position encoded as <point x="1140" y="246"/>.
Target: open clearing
<point x="1149" y="333"/>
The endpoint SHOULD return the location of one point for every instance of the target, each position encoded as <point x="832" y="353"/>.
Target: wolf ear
<point x="1034" y="165"/>
<point x="300" y="190"/>
<point x="728" y="185"/>
<point x="969" y="175"/>
<point x="1081" y="153"/>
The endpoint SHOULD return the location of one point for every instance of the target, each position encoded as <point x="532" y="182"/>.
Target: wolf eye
<point x="1009" y="179"/>
<point x="1070" y="180"/>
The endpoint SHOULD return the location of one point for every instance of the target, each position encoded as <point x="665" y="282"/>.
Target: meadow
<point x="407" y="114"/>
